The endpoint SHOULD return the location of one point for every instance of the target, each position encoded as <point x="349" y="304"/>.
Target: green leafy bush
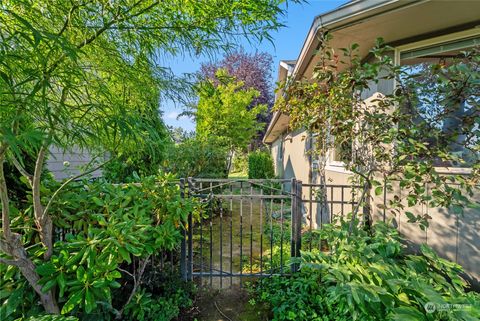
<point x="260" y="165"/>
<point x="240" y="163"/>
<point x="162" y="296"/>
<point x="366" y="276"/>
<point x="114" y="229"/>
<point x="145" y="160"/>
<point x="146" y="306"/>
<point x="195" y="157"/>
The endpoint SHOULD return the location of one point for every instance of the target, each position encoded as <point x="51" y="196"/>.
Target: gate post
<point x="296" y="231"/>
<point x="191" y="185"/>
<point x="293" y="195"/>
<point x="299" y="213"/>
<point x="183" y="247"/>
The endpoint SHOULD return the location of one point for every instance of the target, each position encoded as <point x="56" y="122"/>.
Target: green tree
<point x="224" y="111"/>
<point x="83" y="73"/>
<point x="196" y="157"/>
<point x="399" y="136"/>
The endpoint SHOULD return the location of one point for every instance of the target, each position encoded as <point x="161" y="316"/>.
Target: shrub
<point x="240" y="163"/>
<point x="113" y="230"/>
<point x="366" y="276"/>
<point x="195" y="157"/>
<point x="161" y="298"/>
<point x="127" y="167"/>
<point x="260" y="165"/>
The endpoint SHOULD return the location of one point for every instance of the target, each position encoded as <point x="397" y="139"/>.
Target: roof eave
<point x="275" y="117"/>
<point x="343" y="15"/>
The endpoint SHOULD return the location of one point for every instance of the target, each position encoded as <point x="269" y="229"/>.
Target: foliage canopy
<point x="223" y="111"/>
<point x="84" y="74"/>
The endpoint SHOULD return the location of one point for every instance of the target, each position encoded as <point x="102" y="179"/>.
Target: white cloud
<point x="172" y="115"/>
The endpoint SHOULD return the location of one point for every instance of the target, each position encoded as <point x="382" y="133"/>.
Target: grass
<point x="238" y="175"/>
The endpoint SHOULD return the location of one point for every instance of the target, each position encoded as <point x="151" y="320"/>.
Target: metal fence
<point x="252" y="228"/>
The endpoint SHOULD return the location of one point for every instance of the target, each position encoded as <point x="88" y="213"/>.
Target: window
<point x="342" y="152"/>
<point x="336" y="157"/>
<point x="435" y="105"/>
<point x="280" y="150"/>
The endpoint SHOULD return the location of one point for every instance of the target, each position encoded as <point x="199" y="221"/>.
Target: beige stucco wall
<point x="277" y="161"/>
<point x="294" y="162"/>
<point x="456" y="238"/>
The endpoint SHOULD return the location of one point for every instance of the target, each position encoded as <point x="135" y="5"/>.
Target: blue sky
<point x="287" y="43"/>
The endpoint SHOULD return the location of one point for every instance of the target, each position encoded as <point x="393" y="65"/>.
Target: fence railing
<point x="251" y="228"/>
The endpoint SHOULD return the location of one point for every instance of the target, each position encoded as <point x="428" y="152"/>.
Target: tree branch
<point x="10" y="262"/>
<point x="136" y="280"/>
<point x="37" y="205"/>
<point x="115" y="20"/>
<point x="43" y="222"/>
<point x="22" y="170"/>
<point x="128" y="273"/>
<point x="357" y="207"/>
<point x="4" y="197"/>
<point x="67" y="20"/>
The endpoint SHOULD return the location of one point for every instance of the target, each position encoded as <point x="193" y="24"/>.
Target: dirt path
<point x="225" y="305"/>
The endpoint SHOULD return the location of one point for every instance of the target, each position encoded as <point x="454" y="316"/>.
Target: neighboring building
<point x="65" y="164"/>
<point x="419" y="31"/>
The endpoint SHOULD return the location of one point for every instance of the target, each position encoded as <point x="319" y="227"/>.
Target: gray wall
<point x="77" y="158"/>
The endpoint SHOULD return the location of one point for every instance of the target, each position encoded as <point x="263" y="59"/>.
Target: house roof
<point x="362" y="21"/>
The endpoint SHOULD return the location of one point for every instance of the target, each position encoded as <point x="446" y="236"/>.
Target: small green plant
<point x="145" y="306"/>
<point x="260" y="165"/>
<point x="240" y="163"/>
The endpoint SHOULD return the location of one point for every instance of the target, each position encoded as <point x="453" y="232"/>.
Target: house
<point x="417" y="30"/>
<point x="64" y="164"/>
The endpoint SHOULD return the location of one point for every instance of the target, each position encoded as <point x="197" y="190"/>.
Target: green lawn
<point x="238" y="175"/>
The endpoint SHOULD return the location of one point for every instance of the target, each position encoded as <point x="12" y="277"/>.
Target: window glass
<point x="437" y="105"/>
<point x="280" y="150"/>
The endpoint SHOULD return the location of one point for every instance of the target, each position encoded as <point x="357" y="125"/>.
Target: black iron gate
<point x="249" y="228"/>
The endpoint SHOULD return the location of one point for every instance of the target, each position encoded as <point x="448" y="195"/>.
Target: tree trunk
<point x="12" y="245"/>
<point x="231" y="154"/>
<point x="42" y="220"/>
<point x="16" y="249"/>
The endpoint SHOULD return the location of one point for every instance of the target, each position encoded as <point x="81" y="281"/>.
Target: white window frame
<point x="334" y="165"/>
<point x="433" y="42"/>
